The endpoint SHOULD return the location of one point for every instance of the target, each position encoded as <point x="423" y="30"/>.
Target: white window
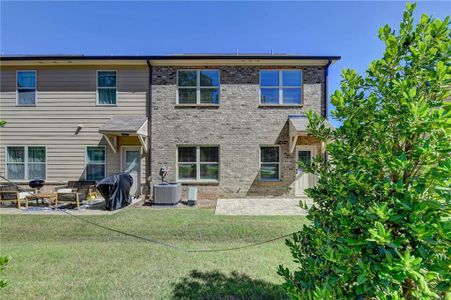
<point x="106" y="87"/>
<point x="26" y="163"/>
<point x="269" y="163"/>
<point x="26" y="87"/>
<point x="281" y="87"/>
<point x="95" y="163"/>
<point x="198" y="87"/>
<point x="196" y="163"/>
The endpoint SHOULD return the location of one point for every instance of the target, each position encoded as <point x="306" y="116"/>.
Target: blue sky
<point x="348" y="29"/>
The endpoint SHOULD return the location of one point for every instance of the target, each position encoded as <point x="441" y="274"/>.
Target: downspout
<point x="149" y="132"/>
<point x="326" y="77"/>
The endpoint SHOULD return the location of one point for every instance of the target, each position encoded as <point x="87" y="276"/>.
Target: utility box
<point x="167" y="193"/>
<point x="192" y="196"/>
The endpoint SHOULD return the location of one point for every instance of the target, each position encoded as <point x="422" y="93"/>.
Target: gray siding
<point x="239" y="125"/>
<point x="66" y="97"/>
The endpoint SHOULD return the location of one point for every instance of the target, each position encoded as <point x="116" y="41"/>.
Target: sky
<point x="347" y="29"/>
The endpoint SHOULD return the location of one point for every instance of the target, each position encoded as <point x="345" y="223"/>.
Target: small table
<point x="50" y="196"/>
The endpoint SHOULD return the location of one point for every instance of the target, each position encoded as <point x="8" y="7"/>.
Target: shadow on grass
<point x="216" y="285"/>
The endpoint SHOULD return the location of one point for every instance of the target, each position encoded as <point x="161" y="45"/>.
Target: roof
<point x="124" y="124"/>
<point x="170" y="57"/>
<point x="299" y="123"/>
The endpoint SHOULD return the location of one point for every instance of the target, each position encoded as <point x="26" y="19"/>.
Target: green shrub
<point x="381" y="216"/>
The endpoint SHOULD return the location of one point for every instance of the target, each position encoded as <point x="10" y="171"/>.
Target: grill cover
<point x="116" y="190"/>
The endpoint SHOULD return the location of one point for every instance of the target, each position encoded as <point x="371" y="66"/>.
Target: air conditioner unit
<point x="167" y="193"/>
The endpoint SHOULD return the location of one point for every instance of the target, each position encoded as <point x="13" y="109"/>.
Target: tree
<point x="4" y="260"/>
<point x="380" y="223"/>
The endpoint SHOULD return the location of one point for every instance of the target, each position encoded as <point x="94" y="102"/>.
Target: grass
<point x="61" y="257"/>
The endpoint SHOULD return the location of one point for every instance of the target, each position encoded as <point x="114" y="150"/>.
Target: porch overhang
<point x="298" y="127"/>
<point x="125" y="126"/>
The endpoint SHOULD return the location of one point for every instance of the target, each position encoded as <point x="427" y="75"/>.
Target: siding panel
<point x="66" y="97"/>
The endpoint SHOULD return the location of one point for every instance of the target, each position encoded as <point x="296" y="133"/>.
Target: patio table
<point x="50" y="196"/>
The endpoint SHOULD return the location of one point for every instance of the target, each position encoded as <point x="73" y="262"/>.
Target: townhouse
<point x="232" y="125"/>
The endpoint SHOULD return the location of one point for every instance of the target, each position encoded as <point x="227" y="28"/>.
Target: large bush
<point x="381" y="216"/>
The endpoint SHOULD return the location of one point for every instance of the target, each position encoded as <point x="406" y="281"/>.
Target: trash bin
<point x="115" y="189"/>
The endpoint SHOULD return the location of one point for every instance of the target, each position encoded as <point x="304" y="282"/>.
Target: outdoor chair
<point x="76" y="191"/>
<point x="10" y="193"/>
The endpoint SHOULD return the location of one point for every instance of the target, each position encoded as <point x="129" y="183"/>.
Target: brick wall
<point x="239" y="126"/>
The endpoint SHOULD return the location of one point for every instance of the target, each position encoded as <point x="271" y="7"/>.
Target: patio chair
<point x="10" y="193"/>
<point x="76" y="191"/>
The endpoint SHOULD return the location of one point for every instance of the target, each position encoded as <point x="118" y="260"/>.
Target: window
<point x="15" y="163"/>
<point x="36" y="163"/>
<point x="26" y="87"/>
<point x="198" y="163"/>
<point x="281" y="87"/>
<point x="95" y="163"/>
<point x="305" y="156"/>
<point x="25" y="163"/>
<point x="269" y="163"/>
<point x="198" y="87"/>
<point x="106" y="87"/>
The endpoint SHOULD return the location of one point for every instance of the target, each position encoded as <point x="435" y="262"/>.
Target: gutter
<point x="149" y="132"/>
<point x="326" y="79"/>
<point x="148" y="58"/>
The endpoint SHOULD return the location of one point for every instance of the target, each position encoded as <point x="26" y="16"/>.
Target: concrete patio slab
<point x="261" y="206"/>
<point x="95" y="210"/>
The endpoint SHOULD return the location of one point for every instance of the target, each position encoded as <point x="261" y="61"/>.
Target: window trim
<point x="198" y="88"/>
<point x="260" y="164"/>
<point x="26" y="162"/>
<point x="97" y="88"/>
<point x="86" y="160"/>
<point x="35" y="88"/>
<point x="198" y="164"/>
<point x="280" y="88"/>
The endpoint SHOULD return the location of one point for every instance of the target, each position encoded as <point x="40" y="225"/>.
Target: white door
<point x="131" y="163"/>
<point x="304" y="180"/>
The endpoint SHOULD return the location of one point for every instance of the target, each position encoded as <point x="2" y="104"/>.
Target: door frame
<point x="122" y="153"/>
<point x="313" y="150"/>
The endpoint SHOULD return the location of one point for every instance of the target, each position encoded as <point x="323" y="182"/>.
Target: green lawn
<point x="62" y="257"/>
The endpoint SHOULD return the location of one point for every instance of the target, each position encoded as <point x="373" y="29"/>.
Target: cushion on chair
<point x="22" y="195"/>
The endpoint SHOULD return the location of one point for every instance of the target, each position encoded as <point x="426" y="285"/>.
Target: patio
<point x="93" y="208"/>
<point x="261" y="206"/>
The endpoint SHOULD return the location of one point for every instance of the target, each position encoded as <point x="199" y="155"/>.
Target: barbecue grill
<point x="36" y="184"/>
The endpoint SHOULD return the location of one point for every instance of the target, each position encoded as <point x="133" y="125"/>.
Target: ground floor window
<point x="95" y="163"/>
<point x="269" y="163"/>
<point x="26" y="162"/>
<point x="198" y="163"/>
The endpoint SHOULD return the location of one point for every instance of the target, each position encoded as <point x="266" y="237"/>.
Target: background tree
<point x="4" y="260"/>
<point x="381" y="215"/>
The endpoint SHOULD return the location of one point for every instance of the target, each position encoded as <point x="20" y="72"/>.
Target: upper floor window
<point x="25" y="163"/>
<point x="95" y="163"/>
<point x="198" y="87"/>
<point x="106" y="87"/>
<point x="198" y="163"/>
<point x="281" y="87"/>
<point x="26" y="87"/>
